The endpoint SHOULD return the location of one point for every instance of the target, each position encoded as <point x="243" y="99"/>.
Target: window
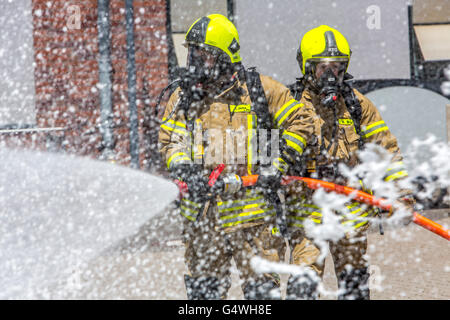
<point x="432" y="28"/>
<point x="434" y="41"/>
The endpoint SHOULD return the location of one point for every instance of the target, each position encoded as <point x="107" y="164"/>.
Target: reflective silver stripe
<point x="356" y="217"/>
<point x="252" y="207"/>
<point x="395" y="171"/>
<point x="280" y="164"/>
<point x="360" y="220"/>
<point x="177" y="158"/>
<point x="252" y="142"/>
<point x="241" y="205"/>
<point x="189" y="209"/>
<point x="299" y="205"/>
<point x="285" y="110"/>
<point x="374" y="128"/>
<point x="299" y="211"/>
<point x="251" y="196"/>
<point x="175" y="126"/>
<point x="294" y="141"/>
<point x="395" y="174"/>
<point x="306" y="212"/>
<point x="396" y="165"/>
<point x="228" y="221"/>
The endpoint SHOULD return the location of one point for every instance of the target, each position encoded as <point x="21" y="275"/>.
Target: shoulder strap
<point x="258" y="98"/>
<point x="297" y="89"/>
<point x="355" y="110"/>
<point x="259" y="105"/>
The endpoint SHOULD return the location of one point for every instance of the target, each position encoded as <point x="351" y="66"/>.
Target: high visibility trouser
<point x="347" y="251"/>
<point x="354" y="216"/>
<point x="189" y="209"/>
<point x="250" y="208"/>
<point x="209" y="250"/>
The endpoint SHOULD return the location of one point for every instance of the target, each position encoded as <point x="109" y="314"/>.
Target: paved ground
<point x="406" y="263"/>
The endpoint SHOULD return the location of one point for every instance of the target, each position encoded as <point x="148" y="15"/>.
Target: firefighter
<point x="218" y="115"/>
<point x="346" y="121"/>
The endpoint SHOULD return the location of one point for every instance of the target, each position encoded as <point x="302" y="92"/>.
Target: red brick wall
<point x="66" y="71"/>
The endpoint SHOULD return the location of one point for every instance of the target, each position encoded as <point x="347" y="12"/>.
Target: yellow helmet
<point x="322" y="44"/>
<point x="217" y="31"/>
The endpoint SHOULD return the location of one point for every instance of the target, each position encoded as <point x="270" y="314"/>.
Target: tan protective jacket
<point x="343" y="150"/>
<point x="224" y="131"/>
<point x="373" y="130"/>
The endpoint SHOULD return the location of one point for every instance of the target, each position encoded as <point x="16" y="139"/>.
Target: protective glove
<point x="269" y="182"/>
<point x="403" y="208"/>
<point x="196" y="182"/>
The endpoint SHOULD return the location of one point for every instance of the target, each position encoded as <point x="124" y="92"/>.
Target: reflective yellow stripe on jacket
<point x="294" y="141"/>
<point x="299" y="211"/>
<point x="252" y="142"/>
<point x="189" y="209"/>
<point x="373" y="129"/>
<point x="395" y="171"/>
<point x="251" y="208"/>
<point x="285" y="111"/>
<point x="357" y="217"/>
<point x="280" y="164"/>
<point x="178" y="158"/>
<point x="175" y="126"/>
<point x="354" y="217"/>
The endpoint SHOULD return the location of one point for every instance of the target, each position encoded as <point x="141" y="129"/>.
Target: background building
<point x="78" y="76"/>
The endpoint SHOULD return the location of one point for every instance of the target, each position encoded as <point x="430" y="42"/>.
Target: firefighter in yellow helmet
<point x="346" y="122"/>
<point x="217" y="116"/>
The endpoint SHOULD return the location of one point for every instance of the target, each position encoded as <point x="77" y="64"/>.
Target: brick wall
<point x="66" y="71"/>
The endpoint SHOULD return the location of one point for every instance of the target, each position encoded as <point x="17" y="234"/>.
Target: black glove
<point x="269" y="182"/>
<point x="196" y="182"/>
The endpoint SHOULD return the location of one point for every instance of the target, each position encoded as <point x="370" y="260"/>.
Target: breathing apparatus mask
<point x="207" y="71"/>
<point x="212" y="61"/>
<point x="329" y="80"/>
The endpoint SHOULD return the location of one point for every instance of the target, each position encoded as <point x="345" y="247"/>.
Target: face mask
<point x="328" y="85"/>
<point x="330" y="80"/>
<point x="199" y="70"/>
<point x="207" y="70"/>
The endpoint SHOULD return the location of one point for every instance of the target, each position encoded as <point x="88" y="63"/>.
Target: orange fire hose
<point x="358" y="196"/>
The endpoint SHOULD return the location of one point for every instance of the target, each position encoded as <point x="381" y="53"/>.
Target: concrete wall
<point x="270" y="34"/>
<point x="412" y="113"/>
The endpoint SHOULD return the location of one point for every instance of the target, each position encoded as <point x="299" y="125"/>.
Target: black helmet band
<point x="331" y="48"/>
<point x="197" y="34"/>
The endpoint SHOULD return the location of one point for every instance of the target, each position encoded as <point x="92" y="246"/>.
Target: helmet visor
<point x="337" y="67"/>
<point x="201" y="62"/>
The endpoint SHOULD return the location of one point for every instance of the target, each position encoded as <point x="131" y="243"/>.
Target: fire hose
<point x="358" y="195"/>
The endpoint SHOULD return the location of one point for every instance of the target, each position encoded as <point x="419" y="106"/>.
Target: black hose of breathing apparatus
<point x="158" y="103"/>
